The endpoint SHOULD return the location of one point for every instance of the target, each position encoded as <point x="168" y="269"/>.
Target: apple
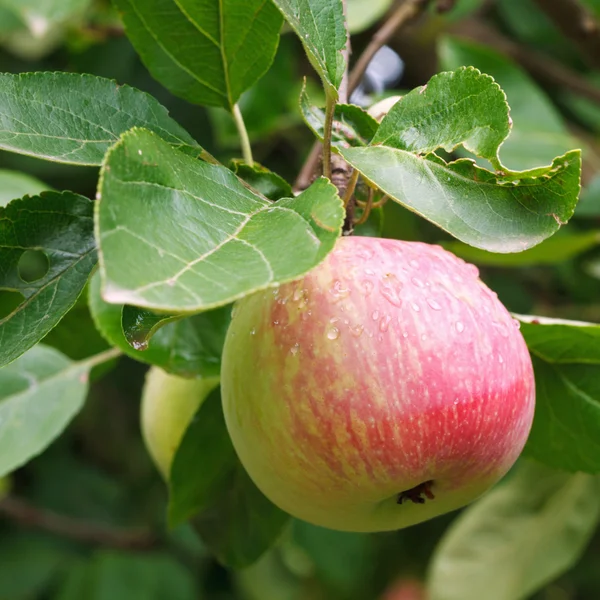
<point x="168" y="405"/>
<point x="405" y="589"/>
<point x="386" y="387"/>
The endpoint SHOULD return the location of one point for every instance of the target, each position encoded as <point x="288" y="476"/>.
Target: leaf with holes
<point x="39" y="394"/>
<point x="493" y="549"/>
<point x="321" y="27"/>
<point x="47" y="252"/>
<point x="217" y="240"/>
<point x="566" y="361"/>
<point x="206" y="51"/>
<point x="188" y="347"/>
<point x="460" y="107"/>
<point x="507" y="212"/>
<point x="75" y="119"/>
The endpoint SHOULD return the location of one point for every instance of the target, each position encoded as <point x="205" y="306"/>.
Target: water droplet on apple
<point x="294" y="349"/>
<point x="390" y="289"/>
<point x="404" y="335"/>
<point x="384" y="324"/>
<point x="423" y="337"/>
<point x="415" y="307"/>
<point x="338" y="291"/>
<point x="414" y="263"/>
<point x="500" y="359"/>
<point x="357" y="330"/>
<point x="333" y="333"/>
<point x="253" y="331"/>
<point x="275" y="322"/>
<point x="460" y="326"/>
<point x="433" y="304"/>
<point x="417" y="282"/>
<point x="369" y="272"/>
<point x="517" y="323"/>
<point x="375" y="315"/>
<point x="368" y="287"/>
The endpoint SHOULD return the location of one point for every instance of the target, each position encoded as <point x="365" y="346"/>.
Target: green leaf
<point x="206" y="51"/>
<point x="218" y="240"/>
<point x="75" y="119"/>
<point x="39" y="395"/>
<point x="351" y="124"/>
<point x="188" y="347"/>
<point x="269" y="184"/>
<point x="112" y="575"/>
<point x="460" y="107"/>
<point x="506" y="212"/>
<point x="538" y="133"/>
<point x="566" y="361"/>
<point x="519" y="537"/>
<point x="320" y="25"/>
<point x="556" y="249"/>
<point x="55" y="230"/>
<point x="207" y="443"/>
<point x="232" y="516"/>
<point x="35" y="561"/>
<point x="14" y="184"/>
<point x="242" y="524"/>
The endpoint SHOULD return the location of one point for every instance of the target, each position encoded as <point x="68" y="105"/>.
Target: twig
<point x="243" y="133"/>
<point x="407" y="11"/>
<point x="351" y="187"/>
<point x="577" y="23"/>
<point x="367" y="209"/>
<point x="327" y="132"/>
<point x="541" y="67"/>
<point x="26" y="514"/>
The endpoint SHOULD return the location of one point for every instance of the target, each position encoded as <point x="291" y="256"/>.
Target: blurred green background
<point x="87" y="519"/>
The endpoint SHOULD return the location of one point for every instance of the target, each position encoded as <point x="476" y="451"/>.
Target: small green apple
<point x="168" y="405"/>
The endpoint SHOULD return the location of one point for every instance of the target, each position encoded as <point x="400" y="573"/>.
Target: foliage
<point x="129" y="226"/>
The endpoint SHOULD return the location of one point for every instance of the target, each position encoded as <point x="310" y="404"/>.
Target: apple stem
<point x="416" y="494"/>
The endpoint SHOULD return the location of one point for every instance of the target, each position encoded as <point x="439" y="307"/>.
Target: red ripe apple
<point x="386" y="387"/>
<point x="405" y="589"/>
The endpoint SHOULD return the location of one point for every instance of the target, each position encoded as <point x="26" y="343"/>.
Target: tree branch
<point x="24" y="513"/>
<point x="577" y="23"/>
<point x="407" y="11"/>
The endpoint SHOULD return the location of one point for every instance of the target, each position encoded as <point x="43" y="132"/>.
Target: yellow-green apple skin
<point x="168" y="405"/>
<point x="385" y="388"/>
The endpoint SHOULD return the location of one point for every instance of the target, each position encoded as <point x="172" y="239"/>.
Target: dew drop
<point x="253" y="331"/>
<point x="368" y="287"/>
<point x="517" y="323"/>
<point x="357" y="330"/>
<point x="414" y="263"/>
<point x="500" y="359"/>
<point x="338" y="291"/>
<point x="333" y="320"/>
<point x="275" y="322"/>
<point x="375" y="315"/>
<point x="390" y="289"/>
<point x="369" y="272"/>
<point x="384" y="324"/>
<point x="423" y="337"/>
<point x="433" y="304"/>
<point x="460" y="326"/>
<point x="415" y="307"/>
<point x="333" y="333"/>
<point x="417" y="282"/>
<point x="405" y="335"/>
<point x="294" y="349"/>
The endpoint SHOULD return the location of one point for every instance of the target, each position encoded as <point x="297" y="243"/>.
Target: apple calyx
<point x="415" y="494"/>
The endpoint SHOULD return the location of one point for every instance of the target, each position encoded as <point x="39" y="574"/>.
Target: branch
<point x="20" y="511"/>
<point x="577" y="23"/>
<point x="406" y="12"/>
<point x="542" y="68"/>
